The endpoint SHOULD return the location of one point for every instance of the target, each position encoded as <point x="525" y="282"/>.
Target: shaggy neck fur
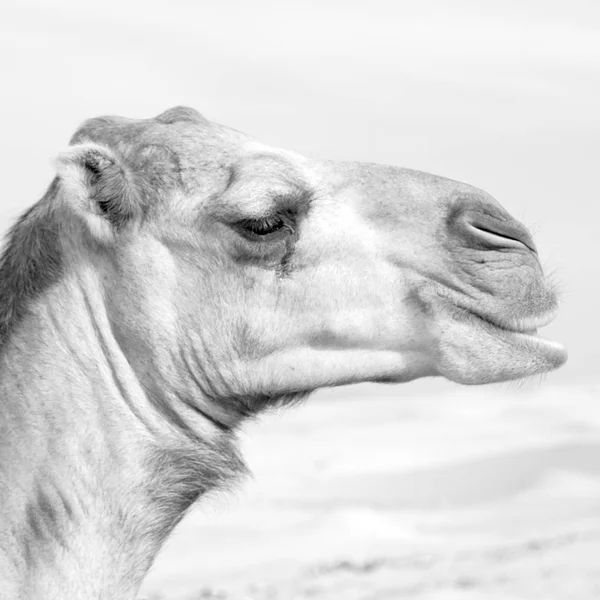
<point x="89" y="490"/>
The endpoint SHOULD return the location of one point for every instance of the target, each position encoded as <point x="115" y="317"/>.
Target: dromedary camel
<point x="178" y="277"/>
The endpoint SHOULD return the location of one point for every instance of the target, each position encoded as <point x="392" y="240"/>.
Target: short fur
<point x="31" y="261"/>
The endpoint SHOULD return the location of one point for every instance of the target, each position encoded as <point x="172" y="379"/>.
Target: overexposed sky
<point x="504" y="95"/>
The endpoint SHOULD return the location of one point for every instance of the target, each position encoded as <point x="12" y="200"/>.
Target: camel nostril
<point x="484" y="224"/>
<point x="502" y="234"/>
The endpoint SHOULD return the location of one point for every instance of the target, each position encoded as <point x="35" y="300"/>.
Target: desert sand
<point x="470" y="494"/>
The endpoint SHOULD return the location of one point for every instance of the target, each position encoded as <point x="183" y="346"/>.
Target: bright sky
<point x="505" y="98"/>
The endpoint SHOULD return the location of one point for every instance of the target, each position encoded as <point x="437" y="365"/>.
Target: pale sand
<point x="474" y="494"/>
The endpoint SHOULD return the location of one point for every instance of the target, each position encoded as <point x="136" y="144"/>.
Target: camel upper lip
<point x="525" y="325"/>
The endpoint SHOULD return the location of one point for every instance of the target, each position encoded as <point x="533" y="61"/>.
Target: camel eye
<point x="268" y="228"/>
<point x="263" y="226"/>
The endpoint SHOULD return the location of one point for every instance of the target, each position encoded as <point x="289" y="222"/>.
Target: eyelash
<point x="263" y="227"/>
<point x="274" y="226"/>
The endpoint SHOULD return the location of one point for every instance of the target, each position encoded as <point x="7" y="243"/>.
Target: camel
<point x="178" y="278"/>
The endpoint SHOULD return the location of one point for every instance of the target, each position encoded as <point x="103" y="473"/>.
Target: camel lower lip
<point x="541" y="342"/>
<point x="553" y="351"/>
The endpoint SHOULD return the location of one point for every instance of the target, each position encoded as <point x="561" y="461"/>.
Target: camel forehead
<point x="169" y="127"/>
<point x="181" y="144"/>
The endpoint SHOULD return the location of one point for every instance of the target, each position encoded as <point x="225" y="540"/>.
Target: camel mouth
<point x="524" y="334"/>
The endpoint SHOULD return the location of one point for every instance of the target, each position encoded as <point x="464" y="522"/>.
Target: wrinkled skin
<point x="379" y="274"/>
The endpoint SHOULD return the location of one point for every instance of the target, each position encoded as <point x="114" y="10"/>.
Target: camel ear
<point x="98" y="187"/>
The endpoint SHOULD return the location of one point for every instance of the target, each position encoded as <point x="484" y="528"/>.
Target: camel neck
<point x="89" y="489"/>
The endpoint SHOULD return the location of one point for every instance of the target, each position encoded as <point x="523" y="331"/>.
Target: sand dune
<point x="474" y="494"/>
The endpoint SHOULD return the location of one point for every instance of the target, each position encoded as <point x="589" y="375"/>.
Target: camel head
<point x="246" y="275"/>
